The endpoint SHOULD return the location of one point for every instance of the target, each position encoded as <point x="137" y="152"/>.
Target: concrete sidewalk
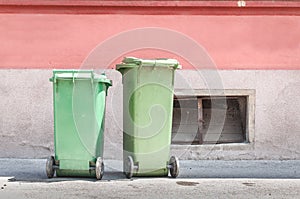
<point x="34" y="169"/>
<point x="26" y="178"/>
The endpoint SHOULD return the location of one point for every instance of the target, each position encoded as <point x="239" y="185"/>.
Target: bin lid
<point x="131" y="62"/>
<point x="80" y="74"/>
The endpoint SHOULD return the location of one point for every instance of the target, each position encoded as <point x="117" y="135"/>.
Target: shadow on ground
<point x="109" y="176"/>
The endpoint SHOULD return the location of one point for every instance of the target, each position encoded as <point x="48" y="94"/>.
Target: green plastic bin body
<point x="79" y="109"/>
<point x="147" y="113"/>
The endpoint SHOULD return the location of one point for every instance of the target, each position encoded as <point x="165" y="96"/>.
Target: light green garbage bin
<point x="79" y="108"/>
<point x="147" y="116"/>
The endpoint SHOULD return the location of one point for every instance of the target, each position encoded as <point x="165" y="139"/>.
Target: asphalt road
<point x="21" y="178"/>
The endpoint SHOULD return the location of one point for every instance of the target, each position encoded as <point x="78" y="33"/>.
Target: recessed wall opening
<point x="210" y="120"/>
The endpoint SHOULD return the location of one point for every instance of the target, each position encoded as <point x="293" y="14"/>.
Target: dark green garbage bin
<point x="147" y="116"/>
<point x="79" y="108"/>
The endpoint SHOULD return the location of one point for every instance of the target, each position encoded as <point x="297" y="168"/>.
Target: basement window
<point x="210" y="120"/>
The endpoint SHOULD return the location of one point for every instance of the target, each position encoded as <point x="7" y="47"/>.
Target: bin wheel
<point x="99" y="168"/>
<point x="129" y="165"/>
<point x="174" y="169"/>
<point x="49" y="167"/>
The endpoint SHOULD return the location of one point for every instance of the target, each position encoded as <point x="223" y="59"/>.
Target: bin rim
<point x="71" y="74"/>
<point x="133" y="62"/>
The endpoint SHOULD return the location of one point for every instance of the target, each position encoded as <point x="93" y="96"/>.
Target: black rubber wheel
<point x="49" y="167"/>
<point x="128" y="167"/>
<point x="99" y="168"/>
<point x="174" y="163"/>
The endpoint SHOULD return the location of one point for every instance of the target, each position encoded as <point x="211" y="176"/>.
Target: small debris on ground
<point x="249" y="184"/>
<point x="12" y="180"/>
<point x="187" y="183"/>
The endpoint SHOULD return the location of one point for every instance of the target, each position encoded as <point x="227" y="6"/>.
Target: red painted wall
<point x="233" y="42"/>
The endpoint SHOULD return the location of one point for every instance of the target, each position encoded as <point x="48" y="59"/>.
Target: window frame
<point x="250" y="107"/>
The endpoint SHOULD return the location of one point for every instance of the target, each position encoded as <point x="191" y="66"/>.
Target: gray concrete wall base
<point x="26" y="117"/>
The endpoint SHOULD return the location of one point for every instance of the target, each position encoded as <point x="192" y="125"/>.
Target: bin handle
<point x="139" y="69"/>
<point x="73" y="71"/>
<point x="141" y="65"/>
<point x="55" y="72"/>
